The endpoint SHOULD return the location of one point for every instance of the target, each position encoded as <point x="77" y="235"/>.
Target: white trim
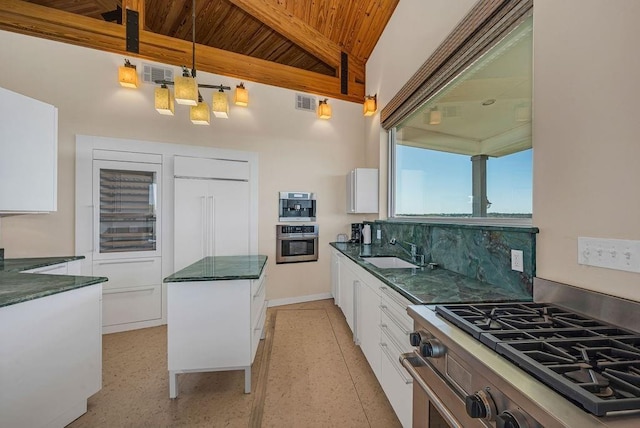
<point x="299" y="299"/>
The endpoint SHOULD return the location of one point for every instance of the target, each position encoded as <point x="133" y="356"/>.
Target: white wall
<point x="586" y="136"/>
<point x="586" y="127"/>
<point x="296" y="150"/>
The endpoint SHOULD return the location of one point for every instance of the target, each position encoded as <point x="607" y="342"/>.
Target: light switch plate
<point x="517" y="262"/>
<point x="618" y="254"/>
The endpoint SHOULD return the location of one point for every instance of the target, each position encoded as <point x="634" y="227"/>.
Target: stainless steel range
<point x="571" y="358"/>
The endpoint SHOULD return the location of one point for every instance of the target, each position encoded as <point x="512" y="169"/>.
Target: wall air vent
<point x="151" y="73"/>
<point x="306" y="103"/>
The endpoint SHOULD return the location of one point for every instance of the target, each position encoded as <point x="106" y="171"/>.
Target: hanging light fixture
<point x="128" y="75"/>
<point x="187" y="91"/>
<point x="242" y="95"/>
<point x="164" y="100"/>
<point x="370" y="105"/>
<point x="220" y="104"/>
<point x="324" y="109"/>
<point x="435" y="116"/>
<point x="199" y="113"/>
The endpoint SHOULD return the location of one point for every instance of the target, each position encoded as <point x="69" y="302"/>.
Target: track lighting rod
<point x="200" y="85"/>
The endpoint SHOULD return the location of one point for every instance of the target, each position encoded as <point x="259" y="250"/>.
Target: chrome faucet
<point x="412" y="252"/>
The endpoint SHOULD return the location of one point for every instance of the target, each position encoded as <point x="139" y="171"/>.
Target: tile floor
<point x="307" y="372"/>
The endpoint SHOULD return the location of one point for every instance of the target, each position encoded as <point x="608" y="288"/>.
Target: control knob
<point x="512" y="419"/>
<point x="431" y="348"/>
<point x="480" y="406"/>
<point x="415" y="338"/>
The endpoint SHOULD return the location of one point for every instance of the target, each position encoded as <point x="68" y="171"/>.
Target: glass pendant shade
<point x="324" y="110"/>
<point x="186" y="90"/>
<point x="435" y="117"/>
<point x="128" y="76"/>
<point x="370" y="106"/>
<point x="200" y="114"/>
<point x="242" y="96"/>
<point x="220" y="105"/>
<point x="164" y="101"/>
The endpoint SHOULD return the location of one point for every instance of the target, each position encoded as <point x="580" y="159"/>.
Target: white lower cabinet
<point x="133" y="295"/>
<point x="378" y="318"/>
<point x="214" y="326"/>
<point x="50" y="358"/>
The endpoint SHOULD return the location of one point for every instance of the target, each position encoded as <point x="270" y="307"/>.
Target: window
<point x="466" y="152"/>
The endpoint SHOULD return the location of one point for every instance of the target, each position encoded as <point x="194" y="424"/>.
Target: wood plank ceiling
<point x="297" y="44"/>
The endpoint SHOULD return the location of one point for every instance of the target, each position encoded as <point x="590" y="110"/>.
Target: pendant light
<point x="242" y="95"/>
<point x="220" y="104"/>
<point x="199" y="113"/>
<point x="370" y="105"/>
<point x="324" y="109"/>
<point x="164" y="100"/>
<point x="128" y="75"/>
<point x="186" y="87"/>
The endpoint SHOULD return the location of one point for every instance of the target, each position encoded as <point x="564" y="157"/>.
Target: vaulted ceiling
<point x="316" y="46"/>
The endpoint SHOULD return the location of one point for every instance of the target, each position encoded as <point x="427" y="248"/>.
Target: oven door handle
<point x="406" y="360"/>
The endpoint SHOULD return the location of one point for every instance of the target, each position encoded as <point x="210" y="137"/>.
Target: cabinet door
<point x="190" y="221"/>
<point x="335" y="276"/>
<point x="347" y="300"/>
<point x="368" y="323"/>
<point x="229" y="207"/>
<point x="29" y="154"/>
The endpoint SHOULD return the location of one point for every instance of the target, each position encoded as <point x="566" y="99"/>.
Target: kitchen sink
<point x="389" y="262"/>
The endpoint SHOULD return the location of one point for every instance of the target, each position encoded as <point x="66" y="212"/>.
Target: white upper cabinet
<point x="362" y="191"/>
<point x="28" y="154"/>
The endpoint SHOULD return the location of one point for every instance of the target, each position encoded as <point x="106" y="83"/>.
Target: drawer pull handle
<point x="392" y="339"/>
<point x="385" y="349"/>
<point x="392" y="317"/>
<point x="129" y="291"/>
<point x="119" y="262"/>
<point x="391" y="296"/>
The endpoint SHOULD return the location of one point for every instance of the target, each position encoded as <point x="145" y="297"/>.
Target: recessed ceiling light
<point x="488" y="102"/>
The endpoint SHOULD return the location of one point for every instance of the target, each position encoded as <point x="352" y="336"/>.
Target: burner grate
<point x="591" y="363"/>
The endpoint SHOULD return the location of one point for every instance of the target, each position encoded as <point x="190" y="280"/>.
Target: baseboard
<point x="299" y="299"/>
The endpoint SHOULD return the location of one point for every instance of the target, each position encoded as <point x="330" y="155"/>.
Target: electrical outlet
<point x="517" y="262"/>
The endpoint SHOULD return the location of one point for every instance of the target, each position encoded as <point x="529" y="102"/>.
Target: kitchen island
<point x="50" y="342"/>
<point x="216" y="310"/>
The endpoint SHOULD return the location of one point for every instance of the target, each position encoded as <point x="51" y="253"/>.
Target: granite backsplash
<point x="477" y="251"/>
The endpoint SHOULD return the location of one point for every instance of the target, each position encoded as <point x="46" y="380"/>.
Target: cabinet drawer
<point x="398" y="386"/>
<point x="258" y="330"/>
<point x="395" y="331"/>
<point x="258" y="294"/>
<point x="129" y="272"/>
<point x="396" y="304"/>
<point x="57" y="269"/>
<point x="131" y="304"/>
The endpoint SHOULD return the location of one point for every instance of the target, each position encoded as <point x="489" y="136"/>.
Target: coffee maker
<point x="356" y="232"/>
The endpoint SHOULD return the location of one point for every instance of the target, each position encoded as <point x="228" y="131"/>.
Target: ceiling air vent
<point x="151" y="73"/>
<point x="306" y="103"/>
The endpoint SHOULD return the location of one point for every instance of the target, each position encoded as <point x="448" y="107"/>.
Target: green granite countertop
<point x="430" y="286"/>
<point x="16" y="287"/>
<point x="221" y="268"/>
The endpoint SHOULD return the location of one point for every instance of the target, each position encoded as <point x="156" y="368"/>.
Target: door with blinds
<point x="126" y="209"/>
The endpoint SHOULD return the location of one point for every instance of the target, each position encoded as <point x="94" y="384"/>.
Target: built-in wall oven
<point x="296" y="243"/>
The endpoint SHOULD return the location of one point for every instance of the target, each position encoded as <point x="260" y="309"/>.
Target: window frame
<point x="488" y="22"/>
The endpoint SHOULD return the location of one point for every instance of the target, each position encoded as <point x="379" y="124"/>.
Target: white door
<point x="230" y="209"/>
<point x="190" y="221"/>
<point x="211" y="219"/>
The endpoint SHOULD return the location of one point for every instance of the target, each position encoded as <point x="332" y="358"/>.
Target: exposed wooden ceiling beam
<point x="301" y="33"/>
<point x="31" y="19"/>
